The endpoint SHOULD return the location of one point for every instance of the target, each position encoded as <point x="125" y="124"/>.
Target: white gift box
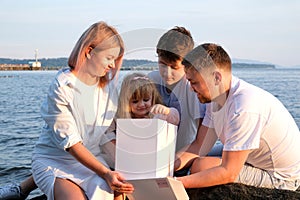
<point x="145" y="153"/>
<point x="145" y="148"/>
<point x="158" y="189"/>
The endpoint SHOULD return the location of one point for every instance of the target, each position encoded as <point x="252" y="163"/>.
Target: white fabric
<point x="253" y="119"/>
<point x="191" y="109"/>
<point x="70" y="112"/>
<point x="253" y="176"/>
<point x="46" y="170"/>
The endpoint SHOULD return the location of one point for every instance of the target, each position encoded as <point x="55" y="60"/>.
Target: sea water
<point x="22" y="92"/>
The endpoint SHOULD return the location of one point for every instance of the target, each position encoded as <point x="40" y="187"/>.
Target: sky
<point x="261" y="30"/>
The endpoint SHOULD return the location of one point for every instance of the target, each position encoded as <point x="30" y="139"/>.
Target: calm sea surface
<point x="22" y="92"/>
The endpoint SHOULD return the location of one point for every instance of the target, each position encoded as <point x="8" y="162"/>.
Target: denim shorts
<point x="253" y="176"/>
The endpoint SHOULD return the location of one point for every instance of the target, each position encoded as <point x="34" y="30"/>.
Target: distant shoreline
<point x="26" y="68"/>
<point x="146" y="67"/>
<point x="128" y="64"/>
<point x="252" y="66"/>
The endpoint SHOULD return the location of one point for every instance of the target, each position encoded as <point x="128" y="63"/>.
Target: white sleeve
<point x="56" y="111"/>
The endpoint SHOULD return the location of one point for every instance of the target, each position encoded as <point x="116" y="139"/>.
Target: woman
<point x="80" y="105"/>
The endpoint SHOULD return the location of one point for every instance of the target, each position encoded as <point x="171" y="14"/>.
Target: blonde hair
<point x="135" y="86"/>
<point x="103" y="37"/>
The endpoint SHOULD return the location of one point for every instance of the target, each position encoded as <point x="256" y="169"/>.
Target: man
<point x="261" y="139"/>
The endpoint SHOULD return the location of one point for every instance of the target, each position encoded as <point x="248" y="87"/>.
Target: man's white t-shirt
<point x="253" y="119"/>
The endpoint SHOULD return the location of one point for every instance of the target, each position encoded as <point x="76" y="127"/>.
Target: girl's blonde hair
<point x="103" y="37"/>
<point x="135" y="86"/>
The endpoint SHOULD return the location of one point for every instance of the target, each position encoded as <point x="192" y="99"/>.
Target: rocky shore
<point x="241" y="192"/>
<point x="234" y="192"/>
<point x="17" y="67"/>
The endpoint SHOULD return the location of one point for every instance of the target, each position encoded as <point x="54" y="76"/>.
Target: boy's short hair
<point x="175" y="44"/>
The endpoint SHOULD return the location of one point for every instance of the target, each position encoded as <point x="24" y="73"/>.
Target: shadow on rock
<point x="241" y="192"/>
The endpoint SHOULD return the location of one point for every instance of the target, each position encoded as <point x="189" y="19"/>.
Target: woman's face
<point x="140" y="108"/>
<point x="102" y="61"/>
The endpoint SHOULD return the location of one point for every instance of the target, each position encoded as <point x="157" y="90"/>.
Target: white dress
<point x="70" y="112"/>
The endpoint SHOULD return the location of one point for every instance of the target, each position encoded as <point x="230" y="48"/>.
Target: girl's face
<point x="140" y="108"/>
<point x="102" y="61"/>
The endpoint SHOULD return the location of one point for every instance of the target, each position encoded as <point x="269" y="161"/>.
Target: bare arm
<point x="206" y="138"/>
<point x="109" y="149"/>
<point x="206" y="141"/>
<point x="227" y="172"/>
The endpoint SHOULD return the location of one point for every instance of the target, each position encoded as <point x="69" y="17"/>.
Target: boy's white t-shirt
<point x="253" y="119"/>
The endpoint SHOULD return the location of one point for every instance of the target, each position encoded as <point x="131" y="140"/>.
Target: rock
<point x="241" y="192"/>
<point x="233" y="191"/>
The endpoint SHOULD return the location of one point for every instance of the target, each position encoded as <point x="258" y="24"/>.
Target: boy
<point x="171" y="80"/>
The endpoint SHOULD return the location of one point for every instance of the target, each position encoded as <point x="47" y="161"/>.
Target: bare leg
<point x="67" y="190"/>
<point x="28" y="185"/>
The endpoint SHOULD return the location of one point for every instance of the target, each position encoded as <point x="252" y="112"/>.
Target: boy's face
<point x="171" y="72"/>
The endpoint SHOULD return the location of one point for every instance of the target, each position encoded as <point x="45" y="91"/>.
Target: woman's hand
<point x="117" y="182"/>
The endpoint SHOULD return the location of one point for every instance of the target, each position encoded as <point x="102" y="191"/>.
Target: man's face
<point x="171" y="72"/>
<point x="200" y="83"/>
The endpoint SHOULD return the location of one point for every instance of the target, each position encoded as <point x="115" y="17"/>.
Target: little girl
<point x="138" y="98"/>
